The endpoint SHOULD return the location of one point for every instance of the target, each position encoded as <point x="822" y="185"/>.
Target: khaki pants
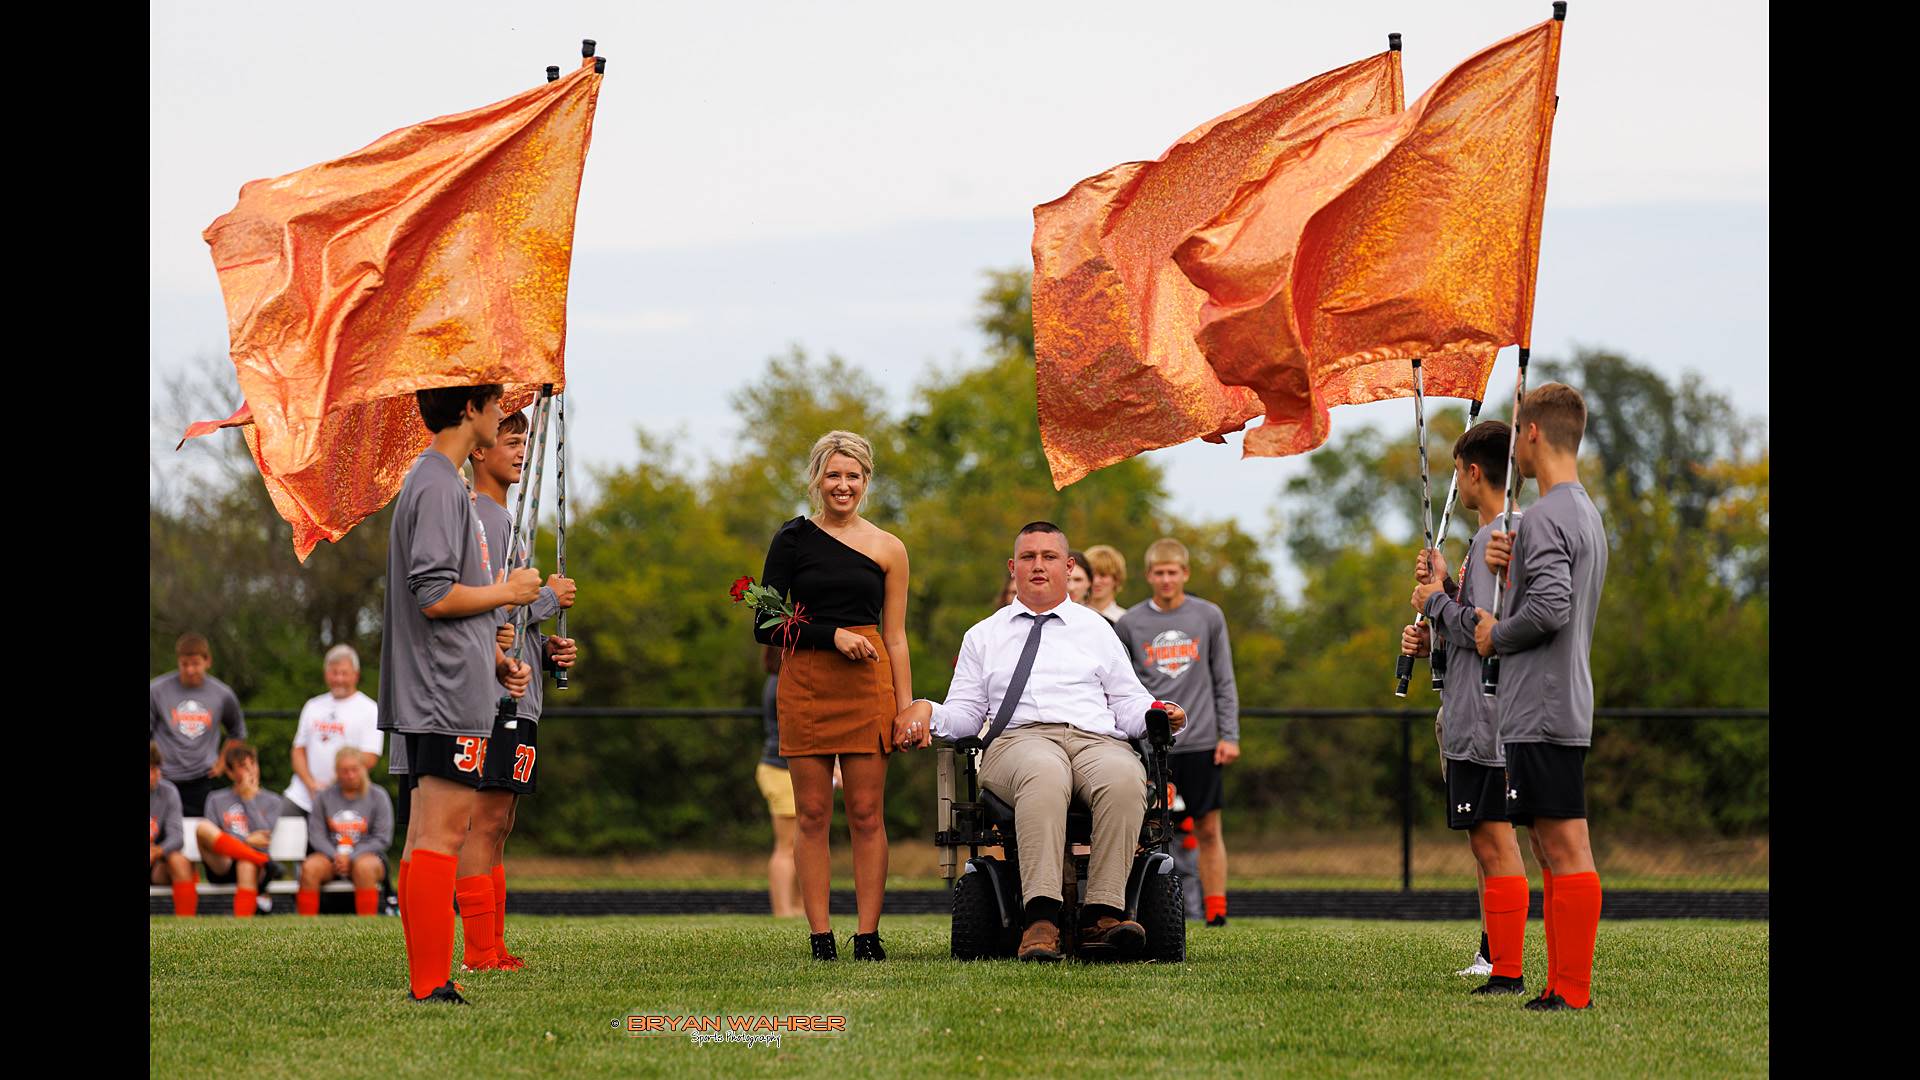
<point x="1038" y="769"/>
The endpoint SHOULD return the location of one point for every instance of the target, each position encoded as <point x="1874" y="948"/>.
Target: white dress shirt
<point x="1082" y="676"/>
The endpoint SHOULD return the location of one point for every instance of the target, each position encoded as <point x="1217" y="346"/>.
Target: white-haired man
<point x="343" y="716"/>
<point x="1056" y="708"/>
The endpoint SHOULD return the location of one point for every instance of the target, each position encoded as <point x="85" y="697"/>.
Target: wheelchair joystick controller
<point x="1159" y="726"/>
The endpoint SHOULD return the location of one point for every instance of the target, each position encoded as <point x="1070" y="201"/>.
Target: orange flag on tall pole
<point x="437" y="256"/>
<point x="1116" y="367"/>
<point x="1385" y="239"/>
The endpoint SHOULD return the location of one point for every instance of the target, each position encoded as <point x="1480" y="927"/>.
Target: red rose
<point x="739" y="589"/>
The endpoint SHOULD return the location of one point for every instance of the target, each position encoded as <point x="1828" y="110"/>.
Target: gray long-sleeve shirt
<point x="1545" y="634"/>
<point x="163" y="817"/>
<point x="365" y="823"/>
<point x="436" y="675"/>
<point x="183" y="721"/>
<point x="498" y="521"/>
<point x="1469" y="723"/>
<point x="1183" y="656"/>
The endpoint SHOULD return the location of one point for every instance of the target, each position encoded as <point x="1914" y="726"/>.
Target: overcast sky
<point x="838" y="175"/>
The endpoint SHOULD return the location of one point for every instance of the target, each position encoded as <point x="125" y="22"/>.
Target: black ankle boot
<point x="823" y="948"/>
<point x="867" y="947"/>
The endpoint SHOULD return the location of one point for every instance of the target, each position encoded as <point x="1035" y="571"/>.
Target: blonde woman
<point x="845" y="679"/>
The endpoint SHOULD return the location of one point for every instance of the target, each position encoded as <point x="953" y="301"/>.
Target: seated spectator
<point x="238" y="830"/>
<point x="343" y="716"/>
<point x="349" y="832"/>
<point x="166" y="835"/>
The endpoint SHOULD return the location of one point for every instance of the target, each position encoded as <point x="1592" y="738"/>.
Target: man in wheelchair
<point x="1058" y="769"/>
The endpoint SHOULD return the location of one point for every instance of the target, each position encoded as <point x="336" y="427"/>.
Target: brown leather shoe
<point x="1123" y="936"/>
<point x="1041" y="942"/>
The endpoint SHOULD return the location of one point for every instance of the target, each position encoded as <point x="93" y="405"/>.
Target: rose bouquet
<point x="772" y="610"/>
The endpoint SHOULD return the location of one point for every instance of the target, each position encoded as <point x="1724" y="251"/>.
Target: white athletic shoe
<point x="1480" y="966"/>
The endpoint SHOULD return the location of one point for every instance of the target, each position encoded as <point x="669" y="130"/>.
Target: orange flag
<point x="1383" y="240"/>
<point x="436" y="256"/>
<point x="1116" y="367"/>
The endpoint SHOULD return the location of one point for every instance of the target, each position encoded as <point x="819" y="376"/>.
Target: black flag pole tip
<point x="599" y="65"/>
<point x="1560" y="10"/>
<point x="587" y="45"/>
<point x="1393" y="42"/>
<point x="553" y="72"/>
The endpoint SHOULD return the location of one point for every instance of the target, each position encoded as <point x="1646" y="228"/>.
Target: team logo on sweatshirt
<point x="191" y="719"/>
<point x="347" y="827"/>
<point x="235" y="819"/>
<point x="1173" y="652"/>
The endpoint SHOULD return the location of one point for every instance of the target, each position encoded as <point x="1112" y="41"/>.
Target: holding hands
<point x="913" y="728"/>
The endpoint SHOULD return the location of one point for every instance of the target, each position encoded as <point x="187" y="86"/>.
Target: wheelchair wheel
<point x="1163" y="913"/>
<point x="977" y="933"/>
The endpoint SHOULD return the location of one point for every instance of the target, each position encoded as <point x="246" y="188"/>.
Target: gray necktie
<point x="1020" y="672"/>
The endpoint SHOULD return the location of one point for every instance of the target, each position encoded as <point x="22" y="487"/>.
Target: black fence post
<point x="1406" y="803"/>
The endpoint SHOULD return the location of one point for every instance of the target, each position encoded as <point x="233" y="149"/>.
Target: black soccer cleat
<point x="823" y="947"/>
<point x="1217" y="920"/>
<point x="867" y="947"/>
<point x="1554" y="1003"/>
<point x="445" y="993"/>
<point x="1501" y="984"/>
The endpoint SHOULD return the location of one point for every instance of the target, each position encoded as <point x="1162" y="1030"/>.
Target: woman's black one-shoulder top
<point x="839" y="586"/>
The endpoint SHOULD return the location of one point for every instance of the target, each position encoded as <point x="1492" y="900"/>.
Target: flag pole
<point x="537" y="443"/>
<point x="1437" y="661"/>
<point x="560" y="517"/>
<point x="1490" y="665"/>
<point x="1403" y="668"/>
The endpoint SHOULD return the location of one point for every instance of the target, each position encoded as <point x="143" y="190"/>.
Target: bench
<point x="289" y="845"/>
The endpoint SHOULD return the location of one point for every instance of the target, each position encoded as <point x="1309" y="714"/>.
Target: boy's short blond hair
<point x="1560" y="412"/>
<point x="1166" y="549"/>
<point x="1102" y="559"/>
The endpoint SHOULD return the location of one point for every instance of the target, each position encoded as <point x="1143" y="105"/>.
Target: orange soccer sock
<point x="1216" y="907"/>
<point x="1547" y="927"/>
<point x="366" y="901"/>
<point x="476" y="918"/>
<point x="500" y="910"/>
<point x="1577" y="923"/>
<point x="307" y="901"/>
<point x="234" y="848"/>
<point x="186" y="898"/>
<point x="1505" y="900"/>
<point x="430" y="911"/>
<point x="243" y="903"/>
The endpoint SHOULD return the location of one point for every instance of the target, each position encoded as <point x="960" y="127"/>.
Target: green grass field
<point x="324" y="998"/>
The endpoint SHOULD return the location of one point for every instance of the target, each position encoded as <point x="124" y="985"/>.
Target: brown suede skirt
<point x="829" y="704"/>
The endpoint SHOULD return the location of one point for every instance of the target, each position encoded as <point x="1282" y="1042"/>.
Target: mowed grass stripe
<point x="323" y="997"/>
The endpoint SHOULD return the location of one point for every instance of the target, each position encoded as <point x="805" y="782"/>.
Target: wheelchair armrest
<point x="1159" y="727"/>
<point x="971" y="742"/>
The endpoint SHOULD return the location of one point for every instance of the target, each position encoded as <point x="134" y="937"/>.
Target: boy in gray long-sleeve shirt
<point x="512" y="752"/>
<point x="185" y="711"/>
<point x="1180" y="650"/>
<point x="438" y="671"/>
<point x="1476" y="774"/>
<point x="1543" y="636"/>
<point x="348" y="835"/>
